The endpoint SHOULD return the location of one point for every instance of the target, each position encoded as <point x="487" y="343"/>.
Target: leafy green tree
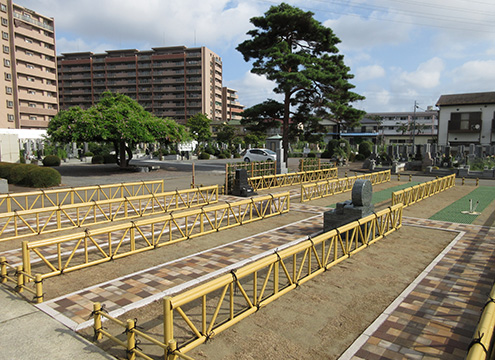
<point x="226" y="134"/>
<point x="199" y="127"/>
<point x="262" y="117"/>
<point x="116" y="119"/>
<point x="300" y="55"/>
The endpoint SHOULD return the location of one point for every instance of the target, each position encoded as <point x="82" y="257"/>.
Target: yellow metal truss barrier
<point x="422" y="191"/>
<point x="337" y="186"/>
<point x="482" y="347"/>
<point x="19" y="224"/>
<point x="83" y="249"/>
<point x="290" y="179"/>
<point x="57" y="197"/>
<point x="210" y="308"/>
<point x="21" y="279"/>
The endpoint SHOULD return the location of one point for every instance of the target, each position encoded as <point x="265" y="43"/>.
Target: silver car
<point x="258" y="155"/>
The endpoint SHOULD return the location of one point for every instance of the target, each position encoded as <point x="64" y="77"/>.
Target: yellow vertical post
<point x="276" y="271"/>
<point x="131" y="339"/>
<point x="410" y="177"/>
<point x="20" y="279"/>
<point x="9" y="204"/>
<point x="26" y="261"/>
<point x="226" y="178"/>
<point x="97" y="320"/>
<point x="398" y="177"/>
<point x="203" y="314"/>
<point x="319" y="164"/>
<point x="255" y="288"/>
<point x="3" y="269"/>
<point x="477" y="181"/>
<point x="302" y="164"/>
<point x="463" y="181"/>
<point x="346" y="173"/>
<point x="193" y="175"/>
<point x="168" y="325"/>
<point x="132" y="239"/>
<point x="172" y="346"/>
<point x="39" y="288"/>
<point x="231" y="298"/>
<point x="252" y="169"/>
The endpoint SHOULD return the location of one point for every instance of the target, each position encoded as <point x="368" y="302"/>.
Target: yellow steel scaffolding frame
<point x="290" y="179"/>
<point x="83" y="249"/>
<point x="337" y="186"/>
<point x="422" y="191"/>
<point x="194" y="316"/>
<point x="70" y="196"/>
<point x="23" y="223"/>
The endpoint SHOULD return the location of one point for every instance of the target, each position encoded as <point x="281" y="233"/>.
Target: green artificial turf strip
<point x="453" y="213"/>
<point x="386" y="194"/>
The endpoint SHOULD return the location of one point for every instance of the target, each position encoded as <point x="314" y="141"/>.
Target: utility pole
<point x="414" y="130"/>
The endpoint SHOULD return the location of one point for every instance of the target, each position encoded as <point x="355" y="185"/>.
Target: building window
<point x="8" y="76"/>
<point x="10" y="104"/>
<point x="30" y="79"/>
<point x="3" y="7"/>
<point x="29" y="66"/>
<point x="5" y="35"/>
<point x="8" y="90"/>
<point x="465" y="122"/>
<point x="32" y="105"/>
<point x="5" y="22"/>
<point x="33" y="117"/>
<point x="29" y="53"/>
<point x="31" y="92"/>
<point x="10" y="117"/>
<point x="6" y="49"/>
<point x="29" y="41"/>
<point x="6" y="62"/>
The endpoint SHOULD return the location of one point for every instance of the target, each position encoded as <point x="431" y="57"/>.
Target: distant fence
<point x="19" y="224"/>
<point x="310" y="164"/>
<point x="69" y="196"/>
<point x="422" y="191"/>
<point x="337" y="186"/>
<point x="194" y="316"/>
<point x="83" y="249"/>
<point x="291" y="179"/>
<point x="254" y="168"/>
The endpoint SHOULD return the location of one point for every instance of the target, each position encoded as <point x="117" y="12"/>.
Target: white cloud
<point x="370" y="72"/>
<point x="474" y="76"/>
<point x="426" y="76"/>
<point x="254" y="89"/>
<point x="357" y="32"/>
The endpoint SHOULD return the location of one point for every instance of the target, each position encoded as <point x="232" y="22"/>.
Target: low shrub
<point x="109" y="159"/>
<point x="360" y="157"/>
<point x="98" y="159"/>
<point x="88" y="154"/>
<point x="5" y="170"/>
<point x="222" y="156"/>
<point x="20" y="174"/>
<point x="312" y="155"/>
<point x="41" y="177"/>
<point x="204" y="156"/>
<point x="51" y="160"/>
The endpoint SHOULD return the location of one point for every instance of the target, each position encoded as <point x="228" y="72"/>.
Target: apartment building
<point x="231" y="107"/>
<point x="176" y="82"/>
<point x="29" y="95"/>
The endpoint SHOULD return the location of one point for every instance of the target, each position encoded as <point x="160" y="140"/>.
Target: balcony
<point x="32" y="21"/>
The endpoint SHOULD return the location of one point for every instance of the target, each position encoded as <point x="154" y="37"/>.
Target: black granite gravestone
<point x="241" y="185"/>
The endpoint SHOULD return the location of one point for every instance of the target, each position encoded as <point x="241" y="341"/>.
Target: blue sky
<point x="400" y="51"/>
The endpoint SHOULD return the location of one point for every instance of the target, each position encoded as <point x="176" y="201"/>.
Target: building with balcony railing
<point x="29" y="95"/>
<point x="176" y="82"/>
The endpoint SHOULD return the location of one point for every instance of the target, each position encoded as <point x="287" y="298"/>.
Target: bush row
<point x="29" y="175"/>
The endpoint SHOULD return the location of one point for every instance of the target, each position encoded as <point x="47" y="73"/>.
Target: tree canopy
<point x="199" y="127"/>
<point x="116" y="119"/>
<point x="300" y="55"/>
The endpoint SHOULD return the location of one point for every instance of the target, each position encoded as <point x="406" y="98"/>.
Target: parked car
<point x="258" y="155"/>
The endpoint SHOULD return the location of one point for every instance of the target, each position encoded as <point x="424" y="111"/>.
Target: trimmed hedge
<point x="98" y="159"/>
<point x="51" y="160"/>
<point x="30" y="175"/>
<point x="204" y="156"/>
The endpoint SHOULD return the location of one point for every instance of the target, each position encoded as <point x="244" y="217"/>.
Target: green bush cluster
<point x="51" y="160"/>
<point x="98" y="159"/>
<point x="204" y="156"/>
<point x="30" y="175"/>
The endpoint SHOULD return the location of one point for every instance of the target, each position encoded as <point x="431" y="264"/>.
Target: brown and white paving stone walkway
<point x="436" y="316"/>
<point x="135" y="290"/>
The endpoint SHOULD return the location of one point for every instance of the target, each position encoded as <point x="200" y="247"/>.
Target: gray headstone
<point x="362" y="192"/>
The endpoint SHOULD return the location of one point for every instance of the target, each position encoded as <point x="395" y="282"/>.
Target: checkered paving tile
<point x="438" y="317"/>
<point x="138" y="289"/>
